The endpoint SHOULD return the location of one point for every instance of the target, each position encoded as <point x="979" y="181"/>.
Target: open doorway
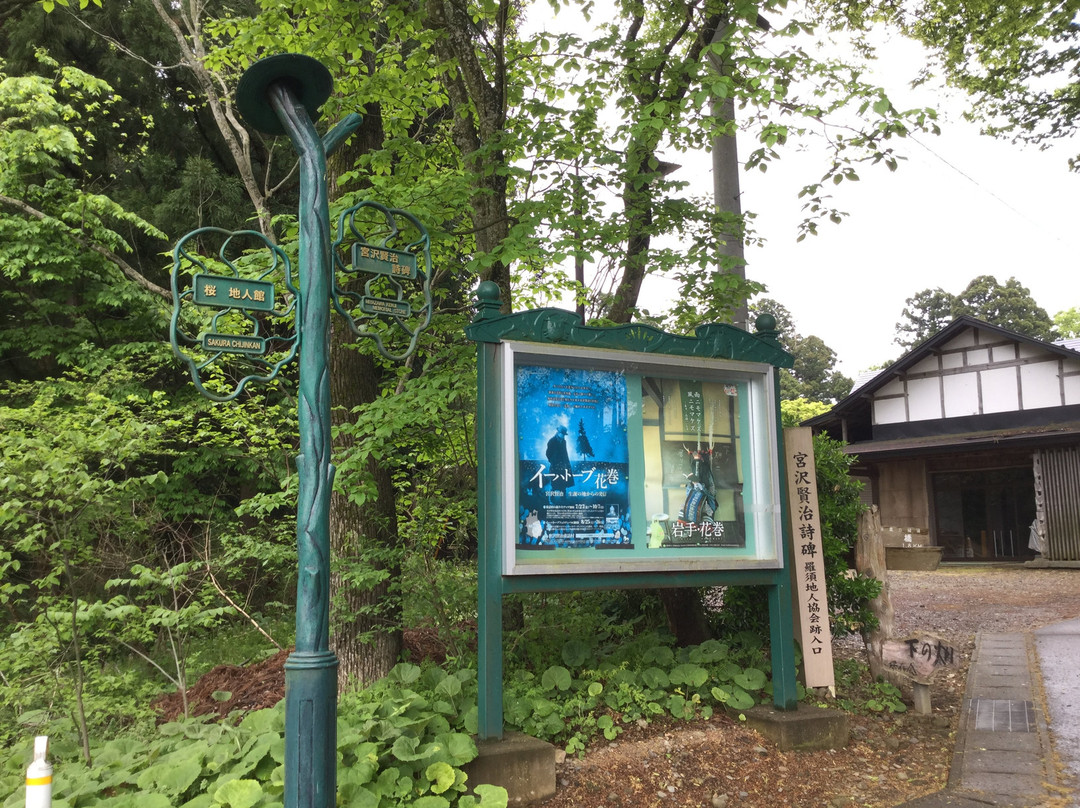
<point x="984" y="515"/>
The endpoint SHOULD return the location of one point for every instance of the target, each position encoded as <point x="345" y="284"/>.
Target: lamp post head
<point x="307" y="78"/>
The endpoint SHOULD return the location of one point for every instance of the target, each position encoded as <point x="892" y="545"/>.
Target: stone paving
<point x="1004" y="755"/>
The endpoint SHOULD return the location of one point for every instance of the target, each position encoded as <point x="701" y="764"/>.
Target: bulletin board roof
<point x="562" y="327"/>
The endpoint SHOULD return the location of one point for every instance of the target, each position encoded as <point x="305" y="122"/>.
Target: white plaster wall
<point x="889" y="411"/>
<point x="961" y="395"/>
<point x="978" y="356"/>
<point x="999" y="390"/>
<point x="1039" y="382"/>
<point x="893" y="388"/>
<point x="952" y="360"/>
<point x="1072" y="390"/>
<point x="924" y="399"/>
<point x="962" y="340"/>
<point x="1028" y="351"/>
<point x="1003" y="353"/>
<point x="926" y="365"/>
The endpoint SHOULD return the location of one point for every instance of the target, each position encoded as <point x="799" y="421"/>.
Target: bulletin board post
<point x="662" y="469"/>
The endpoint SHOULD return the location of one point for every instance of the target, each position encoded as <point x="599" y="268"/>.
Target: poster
<point x="573" y="459"/>
<point x="694" y="475"/>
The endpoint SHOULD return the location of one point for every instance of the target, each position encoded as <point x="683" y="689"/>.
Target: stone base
<point x="523" y="765"/>
<point x="1045" y="563"/>
<point x="805" y="728"/>
<point x="912" y="558"/>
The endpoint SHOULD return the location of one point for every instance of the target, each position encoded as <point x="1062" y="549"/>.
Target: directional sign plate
<point x="380" y="305"/>
<point x="231" y="343"/>
<point x="227" y="292"/>
<point x="383" y="261"/>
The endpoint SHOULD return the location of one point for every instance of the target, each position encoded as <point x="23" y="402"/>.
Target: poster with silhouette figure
<point x="573" y="458"/>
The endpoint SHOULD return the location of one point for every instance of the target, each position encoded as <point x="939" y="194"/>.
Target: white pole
<point x="39" y="776"/>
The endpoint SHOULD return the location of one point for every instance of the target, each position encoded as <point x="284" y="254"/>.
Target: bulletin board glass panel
<point x="615" y="462"/>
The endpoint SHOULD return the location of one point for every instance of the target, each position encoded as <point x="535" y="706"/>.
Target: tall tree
<point x="66" y="288"/>
<point x="924" y="315"/>
<point x="814" y="376"/>
<point x="1067" y="323"/>
<point x="1020" y="61"/>
<point x="1009" y="305"/>
<point x="511" y="146"/>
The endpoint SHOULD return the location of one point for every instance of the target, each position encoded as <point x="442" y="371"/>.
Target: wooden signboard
<point x="807" y="561"/>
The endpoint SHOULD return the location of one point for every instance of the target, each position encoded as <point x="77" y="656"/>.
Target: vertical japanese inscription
<point x="807" y="559"/>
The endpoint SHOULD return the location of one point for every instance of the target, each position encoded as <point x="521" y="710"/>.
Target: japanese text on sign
<point x="807" y="565"/>
<point x="227" y="292"/>
<point x="383" y="261"/>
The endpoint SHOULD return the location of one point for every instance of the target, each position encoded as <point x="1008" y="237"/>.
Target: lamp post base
<point x="311" y="729"/>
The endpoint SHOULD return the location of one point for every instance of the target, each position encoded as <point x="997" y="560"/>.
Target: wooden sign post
<point x="807" y="560"/>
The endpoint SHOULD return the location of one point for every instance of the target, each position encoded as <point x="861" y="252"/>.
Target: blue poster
<point x="573" y="460"/>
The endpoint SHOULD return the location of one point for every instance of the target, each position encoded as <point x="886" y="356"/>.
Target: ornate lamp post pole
<point x="281" y="95"/>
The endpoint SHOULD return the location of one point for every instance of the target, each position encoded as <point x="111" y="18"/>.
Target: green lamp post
<point x="282" y="95"/>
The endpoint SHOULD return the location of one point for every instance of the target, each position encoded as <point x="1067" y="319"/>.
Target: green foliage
<point x="1009" y="305"/>
<point x="856" y="692"/>
<point x="108" y="539"/>
<point x="745" y="608"/>
<point x="403" y="740"/>
<point x="814" y="376"/>
<point x="399" y="743"/>
<point x="602" y="688"/>
<point x="1067" y="323"/>
<point x="794" y="411"/>
<point x="1019" y="62"/>
<point x="62" y="295"/>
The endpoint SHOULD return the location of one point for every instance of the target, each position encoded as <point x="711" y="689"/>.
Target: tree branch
<point x="128" y="270"/>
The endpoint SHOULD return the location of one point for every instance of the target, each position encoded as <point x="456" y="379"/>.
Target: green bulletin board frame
<point x="559" y="333"/>
<point x="755" y="527"/>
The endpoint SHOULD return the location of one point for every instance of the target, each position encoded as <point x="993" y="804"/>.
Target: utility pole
<point x="725" y="160"/>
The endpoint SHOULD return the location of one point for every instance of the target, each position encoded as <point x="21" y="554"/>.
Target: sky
<point x="961" y="205"/>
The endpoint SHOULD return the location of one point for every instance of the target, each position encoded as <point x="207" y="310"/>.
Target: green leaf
<point x="575" y="652"/>
<point x="687" y="674"/>
<point x="556" y="677"/>
<point x="404" y="673"/>
<point x="430" y="801"/>
<point x="750" y="679"/>
<point x="655" y="678"/>
<point x="442" y="776"/>
<point x="740" y="699"/>
<point x="449" y="687"/>
<point x="174" y="777"/>
<point x="487" y="796"/>
<point x="239" y="793"/>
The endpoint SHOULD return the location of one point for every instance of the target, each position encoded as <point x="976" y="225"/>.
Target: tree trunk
<point x="477" y="137"/>
<point x="870" y="560"/>
<point x="365" y="619"/>
<point x="686" y="616"/>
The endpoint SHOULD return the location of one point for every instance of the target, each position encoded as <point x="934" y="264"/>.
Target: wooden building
<point x="968" y="440"/>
